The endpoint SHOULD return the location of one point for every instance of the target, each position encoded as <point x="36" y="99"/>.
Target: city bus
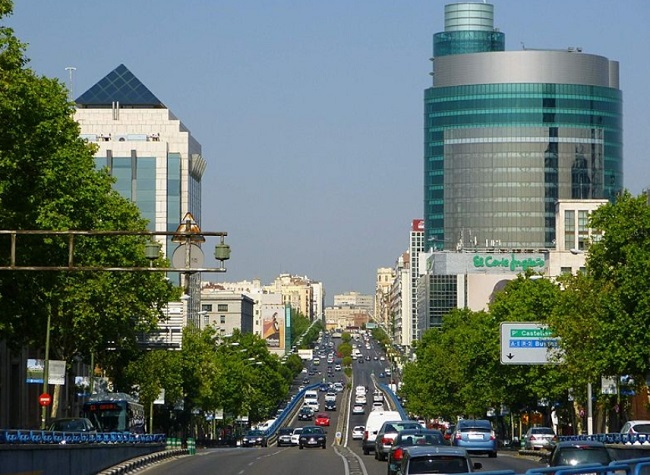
<point x="115" y="412"/>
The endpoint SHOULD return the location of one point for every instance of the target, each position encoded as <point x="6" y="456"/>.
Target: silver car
<point x="387" y="433"/>
<point x="540" y="438"/>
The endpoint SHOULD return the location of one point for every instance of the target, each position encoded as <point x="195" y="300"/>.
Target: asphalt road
<point x="347" y="459"/>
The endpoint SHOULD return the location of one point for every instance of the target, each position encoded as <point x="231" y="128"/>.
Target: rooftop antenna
<point x="71" y="70"/>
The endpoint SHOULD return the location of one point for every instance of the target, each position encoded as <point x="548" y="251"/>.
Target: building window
<point x="583" y="230"/>
<point x="223" y="319"/>
<point x="222" y="307"/>
<point x="569" y="229"/>
<point x="565" y="270"/>
<point x="206" y="307"/>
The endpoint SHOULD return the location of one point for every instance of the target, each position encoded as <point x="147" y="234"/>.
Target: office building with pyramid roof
<point x="156" y="161"/>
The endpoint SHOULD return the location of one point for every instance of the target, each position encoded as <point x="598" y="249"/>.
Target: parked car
<point x="357" y="432"/>
<point x="387" y="433"/>
<point x="537" y="438"/>
<point x="254" y="437"/>
<point x="312" y="436"/>
<point x="73" y="424"/>
<point x="476" y="436"/>
<point x="636" y="427"/>
<point x="296" y="435"/>
<point x="420" y="460"/>
<point x="409" y="438"/>
<point x="579" y="452"/>
<point x="322" y="419"/>
<point x="284" y="436"/>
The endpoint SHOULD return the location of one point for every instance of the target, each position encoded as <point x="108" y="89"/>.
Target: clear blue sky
<point x="310" y="112"/>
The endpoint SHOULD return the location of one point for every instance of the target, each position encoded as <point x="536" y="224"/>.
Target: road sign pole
<point x="46" y="366"/>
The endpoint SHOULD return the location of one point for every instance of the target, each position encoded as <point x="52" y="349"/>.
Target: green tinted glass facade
<point x="461" y="42"/>
<point x="498" y="156"/>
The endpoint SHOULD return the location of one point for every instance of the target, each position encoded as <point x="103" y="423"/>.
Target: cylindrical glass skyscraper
<point x="508" y="133"/>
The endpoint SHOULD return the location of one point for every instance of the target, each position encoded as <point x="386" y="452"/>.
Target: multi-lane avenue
<point x="346" y="458"/>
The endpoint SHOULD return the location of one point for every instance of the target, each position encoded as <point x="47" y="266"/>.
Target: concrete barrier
<point x="70" y="459"/>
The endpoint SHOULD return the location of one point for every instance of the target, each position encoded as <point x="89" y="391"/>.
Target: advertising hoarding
<point x="273" y="327"/>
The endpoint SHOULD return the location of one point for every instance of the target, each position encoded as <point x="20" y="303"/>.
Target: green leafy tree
<point x="48" y="181"/>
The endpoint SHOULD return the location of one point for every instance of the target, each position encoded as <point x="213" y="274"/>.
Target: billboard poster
<point x="36" y="370"/>
<point x="273" y="327"/>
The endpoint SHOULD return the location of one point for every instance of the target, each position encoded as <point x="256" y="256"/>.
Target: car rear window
<point x="400" y="426"/>
<point x="428" y="464"/>
<point x="420" y="439"/>
<point x="641" y="428"/>
<point x="475" y="426"/>
<point x="542" y="430"/>
<point x="583" y="455"/>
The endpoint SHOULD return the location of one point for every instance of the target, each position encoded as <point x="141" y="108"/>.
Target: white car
<point x="360" y="399"/>
<point x="295" y="436"/>
<point x="377" y="406"/>
<point x="265" y="425"/>
<point x="358" y="409"/>
<point x="357" y="432"/>
<point x="360" y="390"/>
<point x="330" y="396"/>
<point x="381" y="358"/>
<point x="338" y="387"/>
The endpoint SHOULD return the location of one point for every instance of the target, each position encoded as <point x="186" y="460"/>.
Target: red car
<point x="322" y="420"/>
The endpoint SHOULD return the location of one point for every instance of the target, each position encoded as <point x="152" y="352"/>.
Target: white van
<point x="374" y="422"/>
<point x="311" y="394"/>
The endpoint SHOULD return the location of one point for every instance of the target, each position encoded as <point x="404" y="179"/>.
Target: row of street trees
<point x="48" y="181"/>
<point x="233" y="376"/>
<point x="602" y="317"/>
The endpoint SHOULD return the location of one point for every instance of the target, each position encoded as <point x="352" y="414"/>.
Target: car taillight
<point x="458" y="436"/>
<point x="386" y="440"/>
<point x="365" y="434"/>
<point x="397" y="455"/>
<point x="493" y="436"/>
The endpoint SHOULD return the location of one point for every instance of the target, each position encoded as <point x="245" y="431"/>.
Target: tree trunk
<point x="56" y="398"/>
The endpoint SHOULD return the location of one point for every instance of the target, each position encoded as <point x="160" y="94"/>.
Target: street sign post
<point x="527" y="343"/>
<point x="44" y="399"/>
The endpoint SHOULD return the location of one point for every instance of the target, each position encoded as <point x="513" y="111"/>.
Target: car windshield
<point x="284" y="431"/>
<point x="255" y="433"/>
<point x="312" y="430"/>
<point x="69" y="425"/>
<point x="583" y="455"/>
<point x="428" y="464"/>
